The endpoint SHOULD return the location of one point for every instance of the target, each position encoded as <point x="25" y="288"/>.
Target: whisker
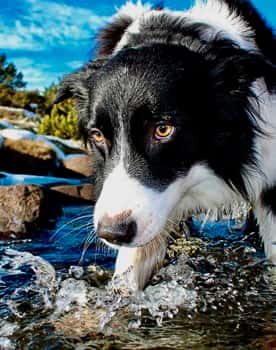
<point x="90" y="239"/>
<point x="205" y="220"/>
<point x="89" y="230"/>
<point x="69" y="223"/>
<point x="75" y="231"/>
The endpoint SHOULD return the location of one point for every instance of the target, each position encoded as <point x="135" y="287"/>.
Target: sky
<point x="48" y="38"/>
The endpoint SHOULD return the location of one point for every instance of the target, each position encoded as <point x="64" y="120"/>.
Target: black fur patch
<point x="269" y="199"/>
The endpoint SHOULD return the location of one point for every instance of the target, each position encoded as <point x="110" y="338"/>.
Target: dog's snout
<point x="119" y="229"/>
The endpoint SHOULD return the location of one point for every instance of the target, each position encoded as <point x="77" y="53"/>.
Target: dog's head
<point x="160" y="119"/>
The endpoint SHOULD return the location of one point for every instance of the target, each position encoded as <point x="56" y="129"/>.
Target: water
<point x="220" y="294"/>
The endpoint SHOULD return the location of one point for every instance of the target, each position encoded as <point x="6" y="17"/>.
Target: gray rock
<point x="23" y="208"/>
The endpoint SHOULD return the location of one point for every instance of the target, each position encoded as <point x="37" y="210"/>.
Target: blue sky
<point x="48" y="38"/>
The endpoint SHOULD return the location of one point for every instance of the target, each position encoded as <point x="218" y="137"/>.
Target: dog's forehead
<point x="133" y="81"/>
<point x="121" y="95"/>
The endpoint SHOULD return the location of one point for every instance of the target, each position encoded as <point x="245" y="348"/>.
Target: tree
<point x="31" y="100"/>
<point x="11" y="92"/>
<point x="9" y="76"/>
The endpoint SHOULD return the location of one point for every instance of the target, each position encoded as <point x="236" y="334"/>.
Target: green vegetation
<point x="60" y="120"/>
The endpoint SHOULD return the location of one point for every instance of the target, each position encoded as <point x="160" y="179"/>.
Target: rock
<point x="28" y="157"/>
<point x="68" y="194"/>
<point x="23" y="208"/>
<point x="77" y="166"/>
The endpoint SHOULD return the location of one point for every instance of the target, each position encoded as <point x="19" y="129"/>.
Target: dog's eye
<point x="164" y="131"/>
<point x="97" y="136"/>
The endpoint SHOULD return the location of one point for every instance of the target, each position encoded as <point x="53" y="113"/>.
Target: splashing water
<point x="219" y="294"/>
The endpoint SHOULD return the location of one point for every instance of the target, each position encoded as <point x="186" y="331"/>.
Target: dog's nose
<point x="117" y="230"/>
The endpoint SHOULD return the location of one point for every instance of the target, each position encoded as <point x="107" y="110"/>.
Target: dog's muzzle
<point x="119" y="229"/>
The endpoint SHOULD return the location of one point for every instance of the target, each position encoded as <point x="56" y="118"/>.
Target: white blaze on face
<point x="151" y="209"/>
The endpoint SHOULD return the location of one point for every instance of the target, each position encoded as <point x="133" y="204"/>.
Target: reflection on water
<point x="222" y="296"/>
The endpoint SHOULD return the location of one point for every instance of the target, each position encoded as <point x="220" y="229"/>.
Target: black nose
<point x="118" y="233"/>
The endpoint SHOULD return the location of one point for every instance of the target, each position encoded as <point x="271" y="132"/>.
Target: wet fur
<point x="231" y="54"/>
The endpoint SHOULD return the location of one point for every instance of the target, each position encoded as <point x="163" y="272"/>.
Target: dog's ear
<point x="111" y="34"/>
<point x="75" y="85"/>
<point x="70" y="84"/>
<point x="235" y="69"/>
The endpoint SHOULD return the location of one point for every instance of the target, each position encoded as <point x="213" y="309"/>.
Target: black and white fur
<point x="210" y="73"/>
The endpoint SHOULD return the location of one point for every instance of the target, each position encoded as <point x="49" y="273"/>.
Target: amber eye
<point x="163" y="131"/>
<point x="98" y="136"/>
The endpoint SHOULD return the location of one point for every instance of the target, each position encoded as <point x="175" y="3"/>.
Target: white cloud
<point x="37" y="75"/>
<point x="48" y="24"/>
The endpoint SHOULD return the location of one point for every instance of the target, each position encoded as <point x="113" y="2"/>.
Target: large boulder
<point x="26" y="208"/>
<point x="76" y="166"/>
<point x="28" y="157"/>
<point x="23" y="208"/>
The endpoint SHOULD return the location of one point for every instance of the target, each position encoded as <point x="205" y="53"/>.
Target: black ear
<point x="67" y="87"/>
<point x="111" y="34"/>
<point x="75" y="85"/>
<point x="235" y="69"/>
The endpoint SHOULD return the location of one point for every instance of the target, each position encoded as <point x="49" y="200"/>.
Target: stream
<point x="55" y="292"/>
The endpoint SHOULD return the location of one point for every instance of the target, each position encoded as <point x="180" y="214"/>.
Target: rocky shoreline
<point x="38" y="176"/>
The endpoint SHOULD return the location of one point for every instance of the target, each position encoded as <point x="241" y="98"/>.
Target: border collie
<point x="180" y="112"/>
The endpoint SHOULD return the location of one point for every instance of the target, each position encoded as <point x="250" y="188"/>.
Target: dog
<point x="179" y="108"/>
